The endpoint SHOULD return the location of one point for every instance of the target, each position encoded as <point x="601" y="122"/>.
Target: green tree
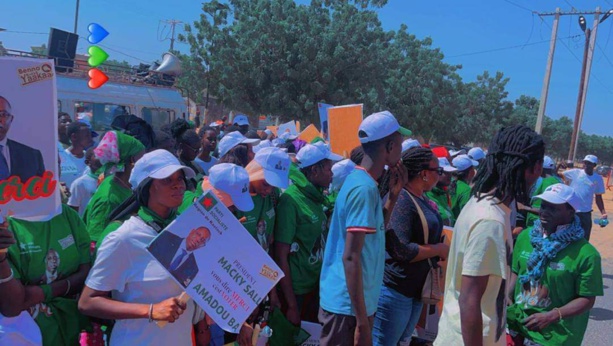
<point x="39" y="50"/>
<point x="194" y="80"/>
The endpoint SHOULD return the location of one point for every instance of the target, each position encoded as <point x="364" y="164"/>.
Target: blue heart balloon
<point x="97" y="33"/>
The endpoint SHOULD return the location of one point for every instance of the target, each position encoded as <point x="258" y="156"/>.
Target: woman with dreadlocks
<point x="410" y="253"/>
<point x="478" y="266"/>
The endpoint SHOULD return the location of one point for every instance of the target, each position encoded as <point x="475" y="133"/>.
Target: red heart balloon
<point x="97" y="78"/>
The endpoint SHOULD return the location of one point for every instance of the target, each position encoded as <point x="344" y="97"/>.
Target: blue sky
<point x="459" y="28"/>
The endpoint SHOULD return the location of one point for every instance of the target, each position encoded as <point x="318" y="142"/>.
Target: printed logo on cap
<point x="245" y="189"/>
<point x="279" y="166"/>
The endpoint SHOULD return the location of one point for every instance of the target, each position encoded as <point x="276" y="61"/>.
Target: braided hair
<point x="416" y="159"/>
<point x="183" y="133"/>
<point x="513" y="150"/>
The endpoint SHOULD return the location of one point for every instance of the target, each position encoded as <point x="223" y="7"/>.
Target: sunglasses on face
<point x="196" y="150"/>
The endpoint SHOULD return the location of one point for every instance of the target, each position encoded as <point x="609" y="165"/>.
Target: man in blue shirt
<point x="354" y="257"/>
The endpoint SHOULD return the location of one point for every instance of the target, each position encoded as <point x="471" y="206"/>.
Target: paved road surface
<point x="600" y="327"/>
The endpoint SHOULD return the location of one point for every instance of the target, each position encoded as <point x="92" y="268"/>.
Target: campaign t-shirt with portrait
<point x="585" y="186"/>
<point x="302" y="224"/>
<point x="358" y="209"/>
<point x="482" y="245"/>
<point x="260" y="221"/>
<point x="107" y="197"/>
<point x="46" y="252"/>
<point x="574" y="272"/>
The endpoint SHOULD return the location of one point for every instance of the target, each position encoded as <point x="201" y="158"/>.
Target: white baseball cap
<point x="310" y="154"/>
<point x="268" y="132"/>
<point x="275" y="162"/>
<point x="233" y="139"/>
<point x="476" y="153"/>
<point x="410" y="143"/>
<point x="464" y="162"/>
<point x="340" y="171"/>
<point x="560" y="194"/>
<point x="214" y="124"/>
<point x="453" y="153"/>
<point x="241" y="120"/>
<point x="158" y="164"/>
<point x="288" y="136"/>
<point x="234" y="181"/>
<point x="380" y="125"/>
<point x="548" y="163"/>
<point x="447" y="167"/>
<point x="591" y="158"/>
<point x="263" y="144"/>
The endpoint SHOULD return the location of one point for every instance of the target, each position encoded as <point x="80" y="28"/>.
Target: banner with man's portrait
<point x="218" y="263"/>
<point x="29" y="181"/>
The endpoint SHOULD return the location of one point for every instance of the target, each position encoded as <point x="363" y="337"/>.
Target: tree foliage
<point x="280" y="58"/>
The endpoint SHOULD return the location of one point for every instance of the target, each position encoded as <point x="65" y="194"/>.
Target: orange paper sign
<point x="343" y="125"/>
<point x="309" y="133"/>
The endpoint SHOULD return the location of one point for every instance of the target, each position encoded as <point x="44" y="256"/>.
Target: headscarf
<point x="114" y="150"/>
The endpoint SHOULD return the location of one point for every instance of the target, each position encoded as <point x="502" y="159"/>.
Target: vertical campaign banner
<point x="343" y="124"/>
<point x="218" y="263"/>
<point x="323" y="119"/>
<point x="29" y="186"/>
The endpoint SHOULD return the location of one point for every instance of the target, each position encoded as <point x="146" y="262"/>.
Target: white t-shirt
<point x="69" y="178"/>
<point x="20" y="330"/>
<point x="125" y="268"/>
<point x="482" y="244"/>
<point x="81" y="191"/>
<point x="206" y="165"/>
<point x="585" y="186"/>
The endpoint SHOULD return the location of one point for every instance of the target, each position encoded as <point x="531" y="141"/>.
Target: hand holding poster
<point x="28" y="154"/>
<point x="220" y="265"/>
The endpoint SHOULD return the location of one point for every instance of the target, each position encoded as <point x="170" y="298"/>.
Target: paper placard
<point x="29" y="186"/>
<point x="309" y="134"/>
<point x="322" y="108"/>
<point x="343" y="124"/>
<point x="289" y="126"/>
<point x="220" y="265"/>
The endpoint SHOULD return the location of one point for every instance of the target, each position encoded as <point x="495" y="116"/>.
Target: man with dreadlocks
<point x="478" y="267"/>
<point x="556" y="274"/>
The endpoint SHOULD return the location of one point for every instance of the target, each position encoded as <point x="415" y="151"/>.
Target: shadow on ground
<point x="600" y="314"/>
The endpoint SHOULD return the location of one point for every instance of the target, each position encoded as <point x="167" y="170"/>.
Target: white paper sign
<point x="220" y="265"/>
<point x="289" y="126"/>
<point x="29" y="187"/>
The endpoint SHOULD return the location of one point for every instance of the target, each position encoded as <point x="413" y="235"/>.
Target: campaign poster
<point x="343" y="125"/>
<point x="289" y="126"/>
<point x="29" y="181"/>
<point x="323" y="118"/>
<point x="218" y="263"/>
<point x="309" y="133"/>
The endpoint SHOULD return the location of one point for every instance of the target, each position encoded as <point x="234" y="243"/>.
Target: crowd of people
<point x="360" y="241"/>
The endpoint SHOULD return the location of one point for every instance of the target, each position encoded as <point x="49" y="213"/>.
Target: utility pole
<point x="76" y="17"/>
<point x="545" y="90"/>
<point x="573" y="138"/>
<point x="590" y="57"/>
<point x="172" y="23"/>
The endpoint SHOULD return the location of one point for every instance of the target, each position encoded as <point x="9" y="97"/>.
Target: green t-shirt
<point x="459" y="198"/>
<point x="302" y="224"/>
<point x="441" y="198"/>
<point x="107" y="197"/>
<point x="260" y="221"/>
<point x="574" y="272"/>
<point x="543" y="184"/>
<point x="46" y="252"/>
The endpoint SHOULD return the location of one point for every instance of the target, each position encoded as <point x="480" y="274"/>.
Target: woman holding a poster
<point x="43" y="272"/>
<point x="126" y="283"/>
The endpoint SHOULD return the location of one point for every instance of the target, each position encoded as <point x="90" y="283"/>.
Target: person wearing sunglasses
<point x="409" y="255"/>
<point x="188" y="145"/>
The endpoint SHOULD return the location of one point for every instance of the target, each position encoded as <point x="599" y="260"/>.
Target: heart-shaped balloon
<point x="96" y="33"/>
<point x="97" y="56"/>
<point x="97" y="78"/>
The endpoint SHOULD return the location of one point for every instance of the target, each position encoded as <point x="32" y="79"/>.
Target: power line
<point x="519" y="6"/>
<point x="579" y="60"/>
<point x="511" y="47"/>
<point x="26" y="32"/>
